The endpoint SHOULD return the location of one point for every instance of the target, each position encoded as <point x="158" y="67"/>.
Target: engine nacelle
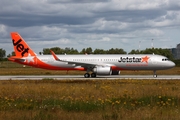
<point x="115" y="72"/>
<point x="100" y="70"/>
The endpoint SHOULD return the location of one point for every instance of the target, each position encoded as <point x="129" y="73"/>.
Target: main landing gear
<point x="87" y="75"/>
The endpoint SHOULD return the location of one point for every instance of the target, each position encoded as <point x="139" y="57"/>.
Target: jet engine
<point x="101" y="70"/>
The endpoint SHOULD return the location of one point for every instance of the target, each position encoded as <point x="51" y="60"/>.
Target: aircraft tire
<point x="155" y="76"/>
<point x="93" y="75"/>
<point x="86" y="75"/>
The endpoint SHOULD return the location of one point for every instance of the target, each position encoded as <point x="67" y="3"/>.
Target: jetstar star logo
<point x="133" y="59"/>
<point x="145" y="59"/>
<point x="29" y="58"/>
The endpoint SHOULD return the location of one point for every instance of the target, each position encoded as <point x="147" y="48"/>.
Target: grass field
<point x="93" y="99"/>
<point x="90" y="100"/>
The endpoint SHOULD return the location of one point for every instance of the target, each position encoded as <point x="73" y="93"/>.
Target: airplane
<point x="94" y="65"/>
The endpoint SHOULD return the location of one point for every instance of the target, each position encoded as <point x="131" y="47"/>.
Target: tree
<point x="12" y="54"/>
<point x="57" y="50"/>
<point x="116" y="51"/>
<point x="67" y="50"/>
<point x="99" y="51"/>
<point x="87" y="50"/>
<point x="83" y="51"/>
<point x="134" y="52"/>
<point x="46" y="51"/>
<point x="73" y="51"/>
<point x="2" y="54"/>
<point x="70" y="51"/>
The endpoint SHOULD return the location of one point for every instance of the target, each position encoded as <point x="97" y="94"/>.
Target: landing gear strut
<point x="155" y="75"/>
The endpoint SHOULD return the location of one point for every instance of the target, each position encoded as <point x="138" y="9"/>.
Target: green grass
<point x="96" y="99"/>
<point x="87" y="99"/>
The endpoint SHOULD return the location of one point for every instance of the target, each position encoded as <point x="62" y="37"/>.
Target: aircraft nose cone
<point x="171" y="64"/>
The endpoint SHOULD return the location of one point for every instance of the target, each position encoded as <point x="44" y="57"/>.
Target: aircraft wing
<point x="76" y="63"/>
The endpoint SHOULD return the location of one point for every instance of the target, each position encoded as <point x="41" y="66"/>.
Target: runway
<point x="81" y="77"/>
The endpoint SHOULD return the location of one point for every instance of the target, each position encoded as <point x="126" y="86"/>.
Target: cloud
<point x="106" y="39"/>
<point x="60" y="42"/>
<point x="3" y="31"/>
<point x="153" y="32"/>
<point x="75" y="2"/>
<point x="84" y="23"/>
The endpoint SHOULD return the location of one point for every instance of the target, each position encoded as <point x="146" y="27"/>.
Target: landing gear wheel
<point x="86" y="75"/>
<point x="155" y="76"/>
<point x="93" y="75"/>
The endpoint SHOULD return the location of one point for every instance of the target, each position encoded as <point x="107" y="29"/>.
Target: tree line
<point x="89" y="50"/>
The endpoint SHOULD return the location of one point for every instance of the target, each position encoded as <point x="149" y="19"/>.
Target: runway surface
<point x="81" y="77"/>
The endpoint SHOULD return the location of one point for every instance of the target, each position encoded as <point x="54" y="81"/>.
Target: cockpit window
<point x="165" y="59"/>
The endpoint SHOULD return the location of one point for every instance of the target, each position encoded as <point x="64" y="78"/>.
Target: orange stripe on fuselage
<point x="39" y="64"/>
<point x="117" y="68"/>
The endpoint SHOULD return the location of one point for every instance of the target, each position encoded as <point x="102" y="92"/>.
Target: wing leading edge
<point x="72" y="62"/>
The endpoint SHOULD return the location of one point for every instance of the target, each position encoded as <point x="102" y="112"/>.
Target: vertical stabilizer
<point x="21" y="48"/>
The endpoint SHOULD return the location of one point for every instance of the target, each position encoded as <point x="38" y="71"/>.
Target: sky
<point x="102" y="24"/>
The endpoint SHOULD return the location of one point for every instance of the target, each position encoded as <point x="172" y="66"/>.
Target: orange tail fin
<point x="21" y="48"/>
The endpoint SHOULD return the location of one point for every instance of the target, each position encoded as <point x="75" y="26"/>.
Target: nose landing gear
<point x="155" y="75"/>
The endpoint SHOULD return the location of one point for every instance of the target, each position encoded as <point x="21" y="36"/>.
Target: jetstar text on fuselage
<point x="130" y="59"/>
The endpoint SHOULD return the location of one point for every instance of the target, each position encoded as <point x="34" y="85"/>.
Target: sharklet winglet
<point x="54" y="55"/>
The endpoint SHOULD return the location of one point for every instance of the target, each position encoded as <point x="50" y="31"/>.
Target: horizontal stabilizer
<point x="14" y="58"/>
